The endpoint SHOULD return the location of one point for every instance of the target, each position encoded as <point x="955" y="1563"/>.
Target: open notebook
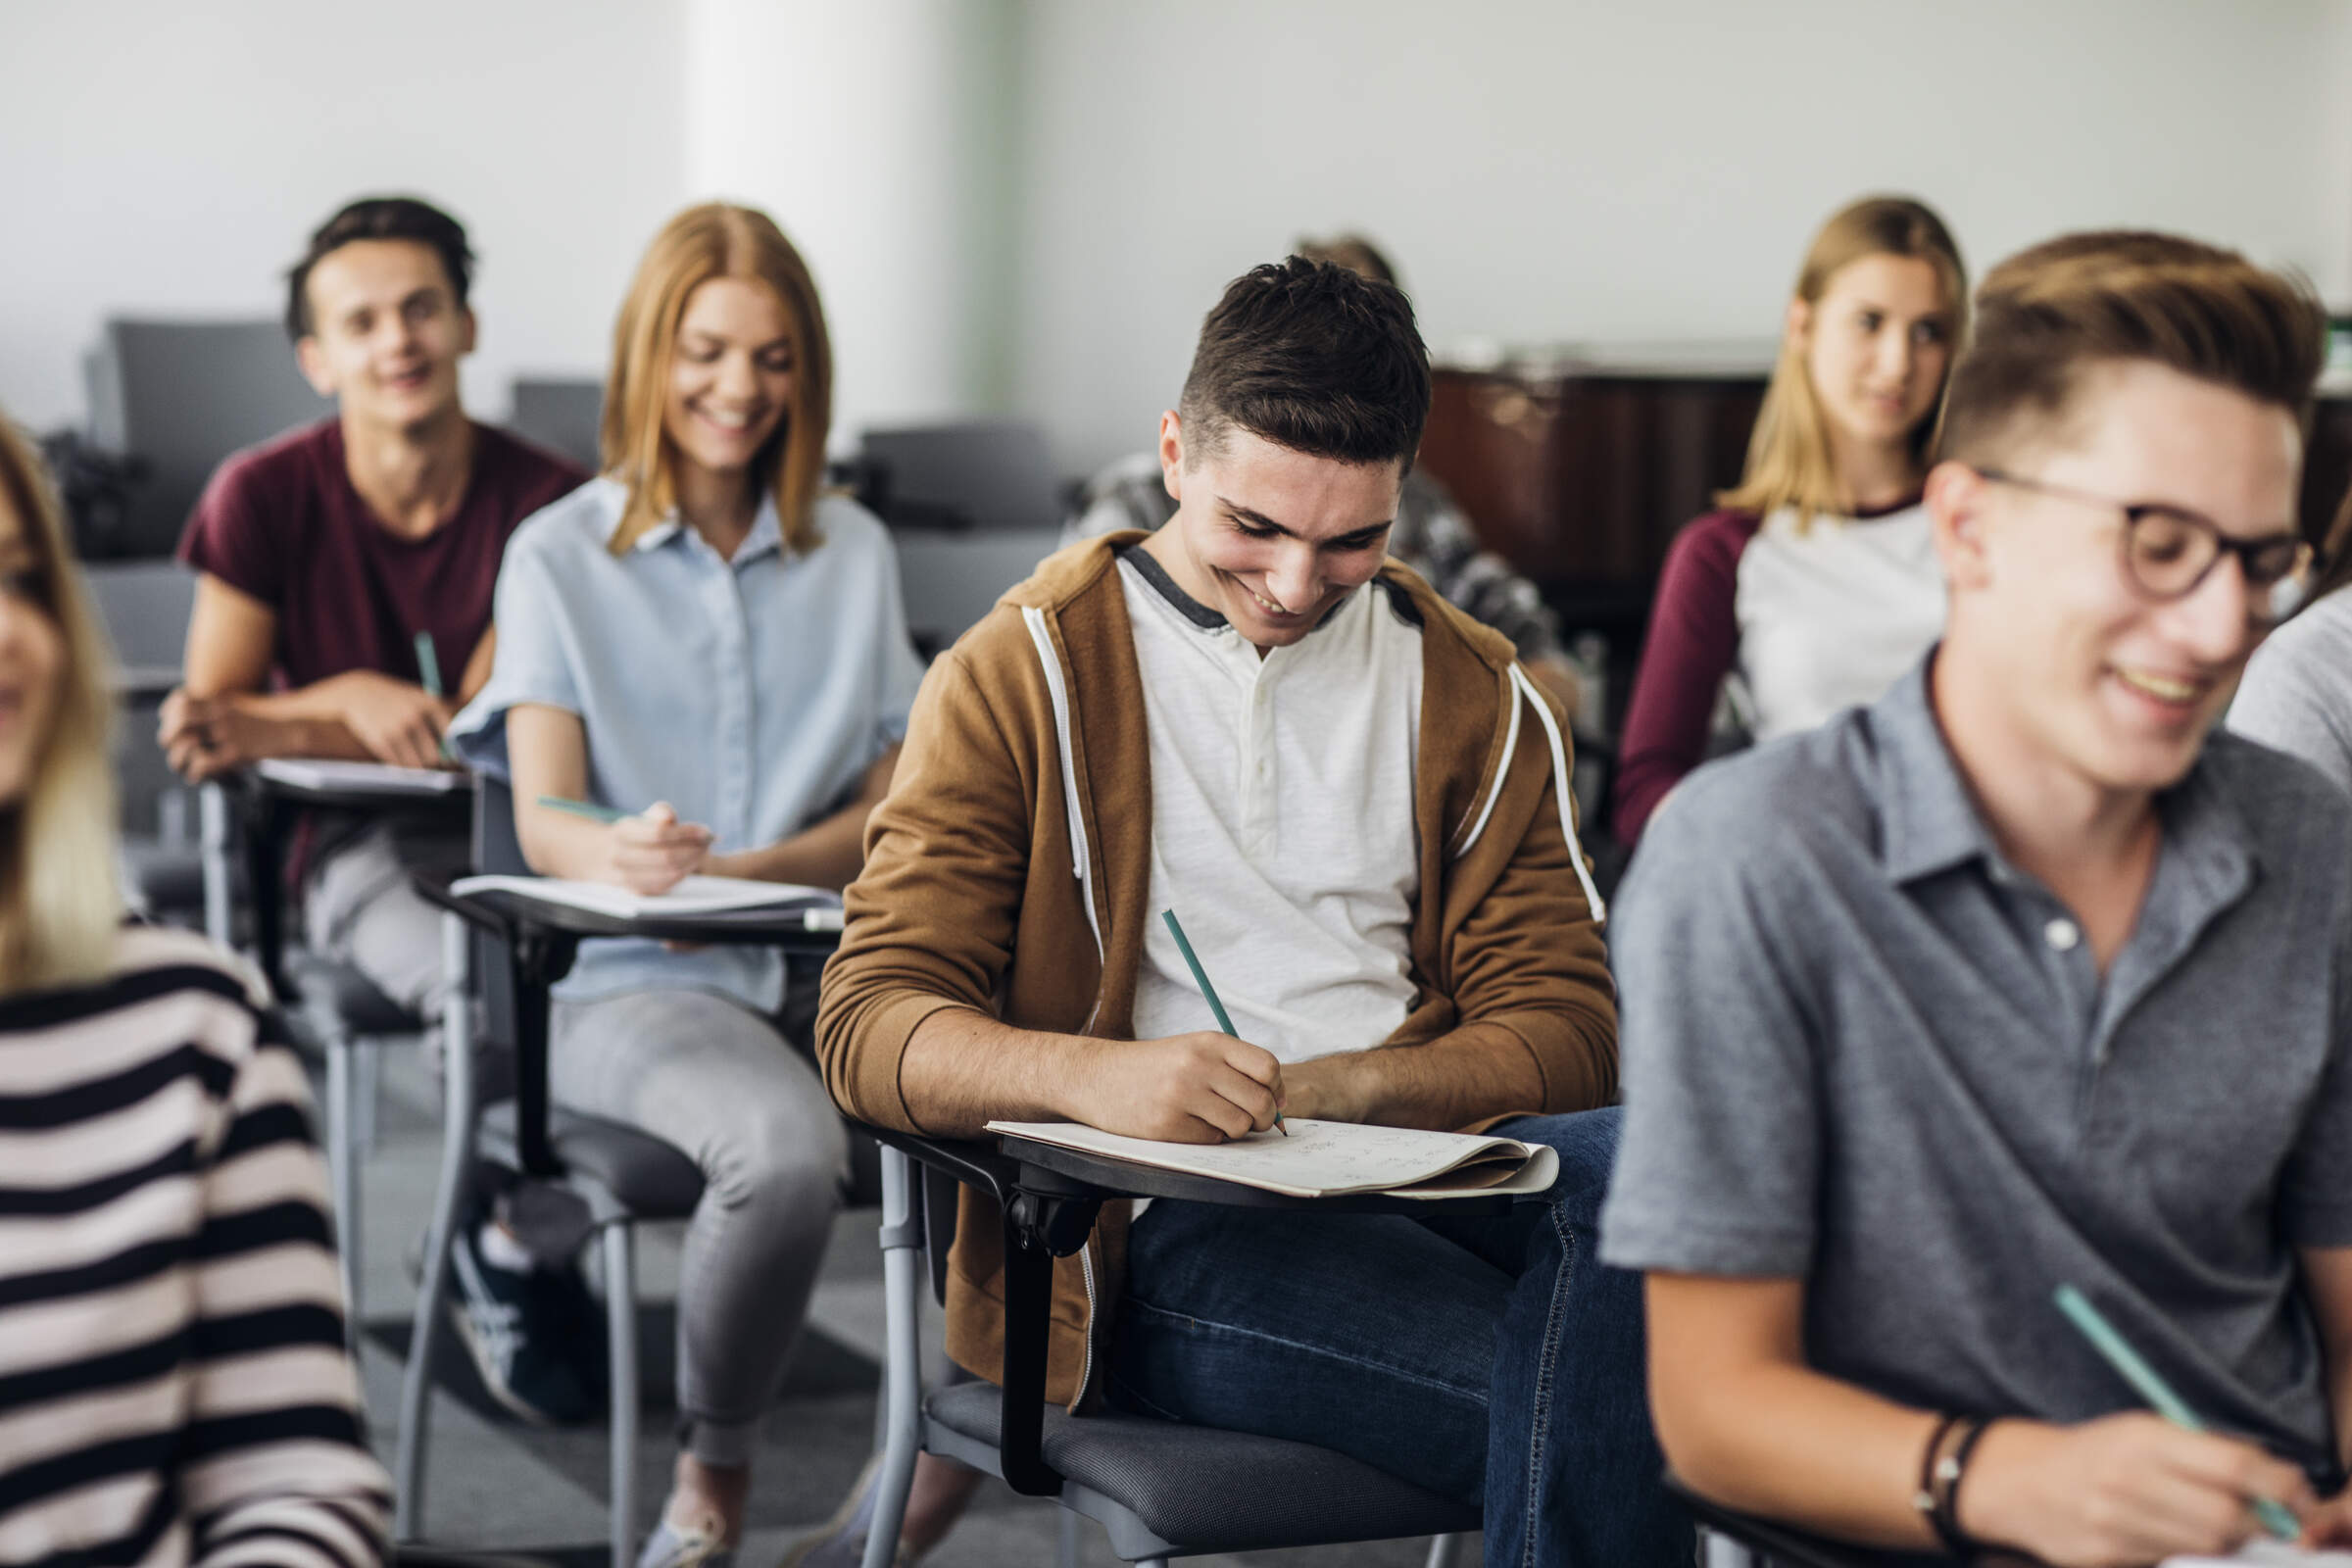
<point x="820" y="908"/>
<point x="1325" y="1158"/>
<point x="362" y="778"/>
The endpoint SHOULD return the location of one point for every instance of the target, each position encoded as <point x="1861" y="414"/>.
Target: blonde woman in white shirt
<point x="1813" y="586"/>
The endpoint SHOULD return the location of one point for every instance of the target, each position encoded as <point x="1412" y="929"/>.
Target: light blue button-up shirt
<point x="749" y="694"/>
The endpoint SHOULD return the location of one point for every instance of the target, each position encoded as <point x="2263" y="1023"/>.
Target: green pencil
<point x="428" y="675"/>
<point x="587" y="809"/>
<point x="428" y="667"/>
<point x="1201" y="978"/>
<point x="2129" y="1365"/>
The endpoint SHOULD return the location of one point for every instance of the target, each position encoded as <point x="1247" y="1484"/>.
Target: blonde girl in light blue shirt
<point x="698" y="638"/>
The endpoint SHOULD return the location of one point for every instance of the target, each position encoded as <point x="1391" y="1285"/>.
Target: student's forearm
<point x="1789" y="1442"/>
<point x="825" y="856"/>
<point x="963" y="1070"/>
<point x="561" y="844"/>
<point x="297" y="724"/>
<point x="1477" y="1071"/>
<point x="828" y="855"/>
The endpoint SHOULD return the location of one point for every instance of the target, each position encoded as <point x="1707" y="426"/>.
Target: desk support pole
<point x="540" y="957"/>
<point x="266" y="820"/>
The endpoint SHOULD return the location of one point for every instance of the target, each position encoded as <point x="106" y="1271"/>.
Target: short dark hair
<point x="2048" y="315"/>
<point x="378" y="218"/>
<point x="1312" y="356"/>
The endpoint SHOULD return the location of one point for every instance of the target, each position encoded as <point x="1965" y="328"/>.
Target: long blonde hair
<point x="701" y="243"/>
<point x="1789" y="461"/>
<point x="61" y="903"/>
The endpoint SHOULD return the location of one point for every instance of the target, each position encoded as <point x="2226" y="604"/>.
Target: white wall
<point x="1565" y="169"/>
<point x="170" y="158"/>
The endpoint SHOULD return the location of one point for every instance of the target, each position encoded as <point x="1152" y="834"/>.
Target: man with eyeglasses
<point x="2023" y="978"/>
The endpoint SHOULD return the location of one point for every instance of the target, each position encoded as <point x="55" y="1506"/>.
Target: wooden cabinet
<point x="1579" y="475"/>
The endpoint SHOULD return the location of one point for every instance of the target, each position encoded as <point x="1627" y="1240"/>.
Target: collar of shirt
<point x="1932" y="824"/>
<point x="767" y="534"/>
<point x="1198" y="614"/>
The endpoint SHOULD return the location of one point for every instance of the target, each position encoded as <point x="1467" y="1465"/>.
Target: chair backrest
<point x="988" y="475"/>
<point x="563" y="414"/>
<point x="183" y="395"/>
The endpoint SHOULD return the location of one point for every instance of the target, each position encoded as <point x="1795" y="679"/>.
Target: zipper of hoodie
<point x="1082" y="866"/>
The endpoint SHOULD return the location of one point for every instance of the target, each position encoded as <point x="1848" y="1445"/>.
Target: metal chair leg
<point x="621" y="1321"/>
<point x="211" y="809"/>
<point x="343" y="1165"/>
<point x="460" y="1113"/>
<point x="368" y="1082"/>
<point x="1722" y="1551"/>
<point x="903" y="1373"/>
<point x="1072" y="1543"/>
<point x="1445" y="1552"/>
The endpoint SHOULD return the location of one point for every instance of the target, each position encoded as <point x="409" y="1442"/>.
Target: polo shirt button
<point x="2062" y="935"/>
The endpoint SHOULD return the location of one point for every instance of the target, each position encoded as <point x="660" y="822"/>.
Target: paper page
<point x="2267" y="1552"/>
<point x="361" y="778"/>
<point x="695" y="895"/>
<point x="1317" y="1159"/>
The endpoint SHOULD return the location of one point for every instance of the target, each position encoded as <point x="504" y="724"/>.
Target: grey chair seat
<point x="649" y="1177"/>
<point x="1207" y="1491"/>
<point x="164" y="879"/>
<point x="349" y="996"/>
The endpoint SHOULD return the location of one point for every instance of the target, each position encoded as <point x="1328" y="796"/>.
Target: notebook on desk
<point x="820" y="908"/>
<point x="1328" y="1159"/>
<point x="361" y="778"/>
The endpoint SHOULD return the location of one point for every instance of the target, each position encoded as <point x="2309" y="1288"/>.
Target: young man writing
<point x="1245" y="717"/>
<point x="324" y="557"/>
<point x="2022" y="978"/>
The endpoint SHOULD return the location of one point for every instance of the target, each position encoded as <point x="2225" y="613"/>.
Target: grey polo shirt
<point x="1863" y="1050"/>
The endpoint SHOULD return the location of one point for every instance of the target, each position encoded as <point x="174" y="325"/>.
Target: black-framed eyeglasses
<point x="2167" y="551"/>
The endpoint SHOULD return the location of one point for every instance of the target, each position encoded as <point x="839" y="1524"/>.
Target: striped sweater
<point x="173" y="1386"/>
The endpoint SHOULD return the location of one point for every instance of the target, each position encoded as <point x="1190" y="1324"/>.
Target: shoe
<point x="700" y="1544"/>
<point x="840" y="1542"/>
<point x="522" y="1335"/>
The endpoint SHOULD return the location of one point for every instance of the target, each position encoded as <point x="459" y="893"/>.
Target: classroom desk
<point x="268" y="810"/>
<point x="1049" y="1197"/>
<point x="543" y="939"/>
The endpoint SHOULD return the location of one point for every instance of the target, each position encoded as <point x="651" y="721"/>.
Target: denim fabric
<point x="1481" y="1358"/>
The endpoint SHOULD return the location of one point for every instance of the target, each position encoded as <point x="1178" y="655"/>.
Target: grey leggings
<point x="724" y="1084"/>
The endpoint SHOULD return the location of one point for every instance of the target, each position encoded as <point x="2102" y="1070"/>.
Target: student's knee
<point x="1586" y="1142"/>
<point x="783" y="1160"/>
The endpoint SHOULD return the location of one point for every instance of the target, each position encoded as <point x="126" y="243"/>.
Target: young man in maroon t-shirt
<point x="322" y="556"/>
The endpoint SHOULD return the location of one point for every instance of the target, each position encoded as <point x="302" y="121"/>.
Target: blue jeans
<point x="1491" y="1359"/>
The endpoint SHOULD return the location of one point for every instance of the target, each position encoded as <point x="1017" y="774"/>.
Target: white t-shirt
<point x="1831" y="615"/>
<point x="1282" y="819"/>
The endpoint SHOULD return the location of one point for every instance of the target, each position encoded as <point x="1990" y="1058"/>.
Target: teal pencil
<point x="2129" y="1365"/>
<point x="428" y="675"/>
<point x="587" y="809"/>
<point x="1200" y="979"/>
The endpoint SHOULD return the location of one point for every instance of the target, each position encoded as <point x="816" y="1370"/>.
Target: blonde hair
<point x="1789" y="462"/>
<point x="701" y="243"/>
<point x="61" y="904"/>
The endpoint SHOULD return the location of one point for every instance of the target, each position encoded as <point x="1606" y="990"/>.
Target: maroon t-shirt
<point x="281" y="521"/>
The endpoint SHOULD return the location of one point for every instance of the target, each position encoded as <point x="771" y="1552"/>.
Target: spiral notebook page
<point x="1320" y="1159"/>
